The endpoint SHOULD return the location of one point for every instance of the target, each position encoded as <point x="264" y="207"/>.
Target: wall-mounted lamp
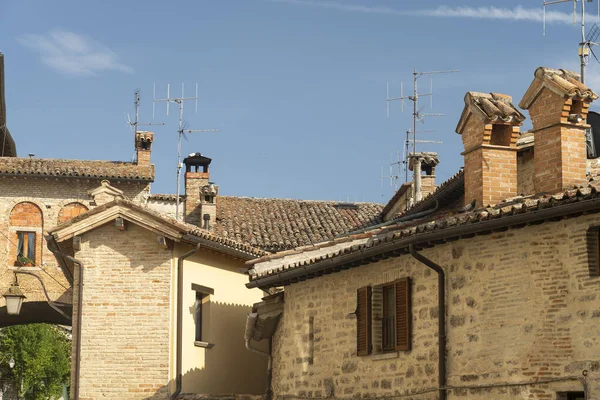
<point x="14" y="298"/>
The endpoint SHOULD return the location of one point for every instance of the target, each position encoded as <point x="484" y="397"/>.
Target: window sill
<point x="206" y="345"/>
<point x="13" y="268"/>
<point x="385" y="356"/>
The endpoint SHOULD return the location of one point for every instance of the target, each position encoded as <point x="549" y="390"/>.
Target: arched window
<point x="69" y="211"/>
<point x="25" y="232"/>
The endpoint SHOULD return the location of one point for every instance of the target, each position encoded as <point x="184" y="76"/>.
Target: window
<point x="384" y="318"/>
<point x="593" y="250"/>
<point x="25" y="248"/>
<point x="199" y="297"/>
<point x="575" y="396"/>
<point x="201" y="313"/>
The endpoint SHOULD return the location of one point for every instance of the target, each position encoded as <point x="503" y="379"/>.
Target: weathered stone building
<point x="486" y="289"/>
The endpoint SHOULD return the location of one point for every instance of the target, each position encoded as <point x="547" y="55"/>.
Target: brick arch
<point x="26" y="224"/>
<point x="69" y="211"/>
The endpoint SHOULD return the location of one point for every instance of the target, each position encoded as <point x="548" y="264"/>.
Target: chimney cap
<point x="197" y="159"/>
<point x="560" y="81"/>
<point x="428" y="158"/>
<point x="491" y="107"/>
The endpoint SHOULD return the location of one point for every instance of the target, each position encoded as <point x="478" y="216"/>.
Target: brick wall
<point x="560" y="155"/>
<point x="522" y="306"/>
<point x="193" y="182"/>
<point x="525" y="172"/>
<point x="125" y="327"/>
<point x="50" y="196"/>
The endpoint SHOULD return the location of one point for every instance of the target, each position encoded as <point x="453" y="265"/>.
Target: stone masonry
<point x="521" y="307"/>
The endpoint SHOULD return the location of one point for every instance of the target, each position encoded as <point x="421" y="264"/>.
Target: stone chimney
<point x="200" y="194"/>
<point x="558" y="106"/>
<point x="424" y="182"/>
<point x="489" y="126"/>
<point x="143" y="146"/>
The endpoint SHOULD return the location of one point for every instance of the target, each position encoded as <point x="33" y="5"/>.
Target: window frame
<point x="202" y="293"/>
<point x="27" y="238"/>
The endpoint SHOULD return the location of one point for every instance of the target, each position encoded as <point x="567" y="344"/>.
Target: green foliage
<point x="42" y="355"/>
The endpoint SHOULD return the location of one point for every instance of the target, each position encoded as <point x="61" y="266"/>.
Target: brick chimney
<point x="200" y="194"/>
<point x="425" y="162"/>
<point x="558" y="105"/>
<point x="143" y="146"/>
<point x="489" y="126"/>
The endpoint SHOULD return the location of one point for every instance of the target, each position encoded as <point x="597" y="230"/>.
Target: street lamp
<point x="14" y="298"/>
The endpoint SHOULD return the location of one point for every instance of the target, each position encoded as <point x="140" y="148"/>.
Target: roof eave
<point x="399" y="247"/>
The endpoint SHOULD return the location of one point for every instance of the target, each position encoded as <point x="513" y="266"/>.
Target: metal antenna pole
<point x="180" y="132"/>
<point x="136" y="122"/>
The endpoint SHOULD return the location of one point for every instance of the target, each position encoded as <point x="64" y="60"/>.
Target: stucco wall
<point x="228" y="367"/>
<point x="125" y="322"/>
<point x="522" y="306"/>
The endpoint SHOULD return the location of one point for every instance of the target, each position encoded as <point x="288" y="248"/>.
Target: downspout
<point x="57" y="252"/>
<point x="442" y="379"/>
<point x="250" y="322"/>
<point x="179" y="350"/>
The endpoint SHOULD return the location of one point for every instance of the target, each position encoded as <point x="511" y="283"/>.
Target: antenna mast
<point x="418" y="115"/>
<point x="181" y="130"/>
<point x="136" y="122"/>
<point x="585" y="46"/>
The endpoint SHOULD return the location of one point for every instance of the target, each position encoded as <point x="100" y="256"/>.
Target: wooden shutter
<point x="403" y="314"/>
<point x="363" y="321"/>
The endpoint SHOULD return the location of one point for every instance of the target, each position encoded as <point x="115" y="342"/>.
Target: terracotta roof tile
<point x="492" y="107"/>
<point x="274" y="263"/>
<point x="280" y="224"/>
<point x="46" y="167"/>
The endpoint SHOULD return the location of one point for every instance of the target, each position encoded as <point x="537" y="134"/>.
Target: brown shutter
<point x="363" y="321"/>
<point x="403" y="314"/>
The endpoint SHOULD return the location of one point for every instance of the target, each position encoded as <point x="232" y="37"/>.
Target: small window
<point x="199" y="298"/>
<point x="384" y="318"/>
<point x="574" y="396"/>
<point x="200" y="309"/>
<point x="25" y="248"/>
<point x="593" y="250"/>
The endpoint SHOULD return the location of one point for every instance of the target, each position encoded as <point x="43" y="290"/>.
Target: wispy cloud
<point x="518" y="13"/>
<point x="73" y="54"/>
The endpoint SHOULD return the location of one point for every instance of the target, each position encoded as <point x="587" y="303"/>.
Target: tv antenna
<point x="417" y="115"/>
<point x="135" y="123"/>
<point x="585" y="46"/>
<point x="181" y="131"/>
<point x="393" y="177"/>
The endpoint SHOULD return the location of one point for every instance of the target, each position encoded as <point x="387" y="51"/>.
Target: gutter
<point x="179" y="350"/>
<point x="442" y="375"/>
<point x="398" y="247"/>
<point x="250" y="323"/>
<point x="63" y="256"/>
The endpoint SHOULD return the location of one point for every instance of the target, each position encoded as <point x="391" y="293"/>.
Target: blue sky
<point x="297" y="87"/>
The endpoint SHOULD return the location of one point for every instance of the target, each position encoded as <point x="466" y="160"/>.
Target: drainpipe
<point x="179" y="350"/>
<point x="57" y="252"/>
<point x="441" y="318"/>
<point x="250" y="323"/>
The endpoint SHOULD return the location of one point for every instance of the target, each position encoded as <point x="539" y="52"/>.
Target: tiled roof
<point x="166" y="197"/>
<point x="280" y="224"/>
<point x="304" y="256"/>
<point x="50" y="167"/>
<point x="184" y="228"/>
<point x="560" y="81"/>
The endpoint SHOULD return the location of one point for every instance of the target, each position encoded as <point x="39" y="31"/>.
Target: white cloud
<point x="518" y="13"/>
<point x="73" y="54"/>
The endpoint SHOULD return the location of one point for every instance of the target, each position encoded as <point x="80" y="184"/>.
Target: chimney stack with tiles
<point x="489" y="126"/>
<point x="200" y="194"/>
<point x="143" y="146"/>
<point x="558" y="105"/>
<point x="425" y="162"/>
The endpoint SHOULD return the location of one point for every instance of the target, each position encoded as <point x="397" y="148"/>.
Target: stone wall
<point x="126" y="319"/>
<point x="521" y="307"/>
